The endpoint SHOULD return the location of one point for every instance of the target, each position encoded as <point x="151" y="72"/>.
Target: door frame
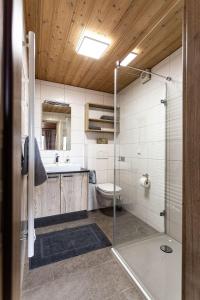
<point x="191" y="151"/>
<point x="11" y="152"/>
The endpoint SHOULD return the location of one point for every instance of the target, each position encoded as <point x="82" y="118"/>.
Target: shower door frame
<point x="130" y="272"/>
<point x="164" y="102"/>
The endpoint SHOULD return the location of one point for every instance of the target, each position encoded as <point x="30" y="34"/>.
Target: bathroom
<point x="104" y="148"/>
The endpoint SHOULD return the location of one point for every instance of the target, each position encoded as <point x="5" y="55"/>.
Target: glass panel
<point x="140" y="159"/>
<point x="140" y="172"/>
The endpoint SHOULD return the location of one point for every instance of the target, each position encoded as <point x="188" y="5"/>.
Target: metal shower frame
<point x="166" y="78"/>
<point x="118" y="65"/>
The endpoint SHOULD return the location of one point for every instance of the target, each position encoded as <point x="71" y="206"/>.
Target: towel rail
<point x="31" y="175"/>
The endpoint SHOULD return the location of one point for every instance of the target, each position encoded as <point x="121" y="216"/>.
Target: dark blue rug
<point x="56" y="246"/>
<point x="61" y="218"/>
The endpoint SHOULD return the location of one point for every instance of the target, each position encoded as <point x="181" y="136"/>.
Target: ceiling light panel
<point x="128" y="59"/>
<point x="92" y="47"/>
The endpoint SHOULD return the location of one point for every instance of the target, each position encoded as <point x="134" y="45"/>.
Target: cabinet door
<point x="74" y="192"/>
<point x="47" y="200"/>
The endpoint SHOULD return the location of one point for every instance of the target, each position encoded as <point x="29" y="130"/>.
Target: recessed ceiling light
<point x="126" y="61"/>
<point x="92" y="47"/>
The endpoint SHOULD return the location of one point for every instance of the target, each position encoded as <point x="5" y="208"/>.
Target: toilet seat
<point x="108" y="188"/>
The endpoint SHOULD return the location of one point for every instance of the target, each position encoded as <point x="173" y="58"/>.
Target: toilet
<point x="105" y="194"/>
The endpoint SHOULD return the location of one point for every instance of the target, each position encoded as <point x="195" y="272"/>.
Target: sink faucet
<point x="57" y="158"/>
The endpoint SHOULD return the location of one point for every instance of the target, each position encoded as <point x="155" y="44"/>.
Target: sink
<point x="62" y="168"/>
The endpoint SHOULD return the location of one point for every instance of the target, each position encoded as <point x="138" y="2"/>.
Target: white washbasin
<point x="62" y="167"/>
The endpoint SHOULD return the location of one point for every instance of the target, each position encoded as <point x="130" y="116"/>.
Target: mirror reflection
<point x="56" y="126"/>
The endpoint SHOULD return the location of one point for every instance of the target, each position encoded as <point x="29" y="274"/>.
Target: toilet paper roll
<point x="145" y="182"/>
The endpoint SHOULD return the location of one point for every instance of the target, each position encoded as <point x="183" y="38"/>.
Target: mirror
<point x="56" y="126"/>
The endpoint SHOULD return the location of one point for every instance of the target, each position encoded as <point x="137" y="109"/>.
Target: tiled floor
<point x="128" y="227"/>
<point x="92" y="276"/>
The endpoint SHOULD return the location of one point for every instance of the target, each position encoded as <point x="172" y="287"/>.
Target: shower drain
<point x="166" y="249"/>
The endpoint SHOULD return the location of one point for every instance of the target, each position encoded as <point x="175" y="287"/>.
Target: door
<point x="11" y="15"/>
<point x="47" y="197"/>
<point x="1" y="133"/>
<point x="74" y="192"/>
<point x="191" y="152"/>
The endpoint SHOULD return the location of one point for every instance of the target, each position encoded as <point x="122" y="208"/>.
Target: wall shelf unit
<point x="94" y="121"/>
<point x="101" y="121"/>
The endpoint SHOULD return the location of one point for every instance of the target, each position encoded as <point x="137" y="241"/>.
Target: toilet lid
<point x="108" y="187"/>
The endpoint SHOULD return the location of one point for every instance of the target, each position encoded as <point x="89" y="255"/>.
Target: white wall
<point x="142" y="143"/>
<point x="142" y="122"/>
<point x="83" y="145"/>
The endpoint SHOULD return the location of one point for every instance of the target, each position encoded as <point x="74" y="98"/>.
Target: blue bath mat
<point x="56" y="246"/>
<point x="61" y="218"/>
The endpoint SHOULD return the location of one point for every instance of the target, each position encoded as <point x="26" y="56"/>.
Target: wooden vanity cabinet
<point x="74" y="192"/>
<point x="47" y="197"/>
<point x="61" y="193"/>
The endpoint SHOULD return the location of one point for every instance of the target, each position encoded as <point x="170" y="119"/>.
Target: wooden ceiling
<point x="153" y="28"/>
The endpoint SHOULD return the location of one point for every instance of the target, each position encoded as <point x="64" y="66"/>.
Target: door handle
<point x="52" y="176"/>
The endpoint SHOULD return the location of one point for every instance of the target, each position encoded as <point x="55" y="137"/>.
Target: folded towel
<point x="94" y="127"/>
<point x="56" y="103"/>
<point x="40" y="173"/>
<point x="110" y="118"/>
<point x="92" y="177"/>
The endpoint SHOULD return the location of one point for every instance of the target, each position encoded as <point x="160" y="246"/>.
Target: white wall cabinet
<point x="61" y="194"/>
<point x="74" y="192"/>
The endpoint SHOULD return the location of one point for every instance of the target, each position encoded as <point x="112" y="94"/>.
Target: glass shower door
<point x="140" y="145"/>
<point x="140" y="237"/>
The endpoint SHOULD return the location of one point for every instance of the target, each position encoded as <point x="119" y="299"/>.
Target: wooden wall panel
<point x="151" y="27"/>
<point x="47" y="197"/>
<point x="74" y="192"/>
<point x="11" y="173"/>
<point x="191" y="152"/>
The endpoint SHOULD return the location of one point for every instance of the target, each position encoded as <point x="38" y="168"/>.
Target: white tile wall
<point x="83" y="146"/>
<point x="101" y="158"/>
<point x="174" y="147"/>
<point x="142" y="130"/>
<point x="142" y="142"/>
<point x="52" y="92"/>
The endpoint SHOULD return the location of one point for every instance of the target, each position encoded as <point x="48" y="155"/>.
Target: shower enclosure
<point x="140" y="233"/>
